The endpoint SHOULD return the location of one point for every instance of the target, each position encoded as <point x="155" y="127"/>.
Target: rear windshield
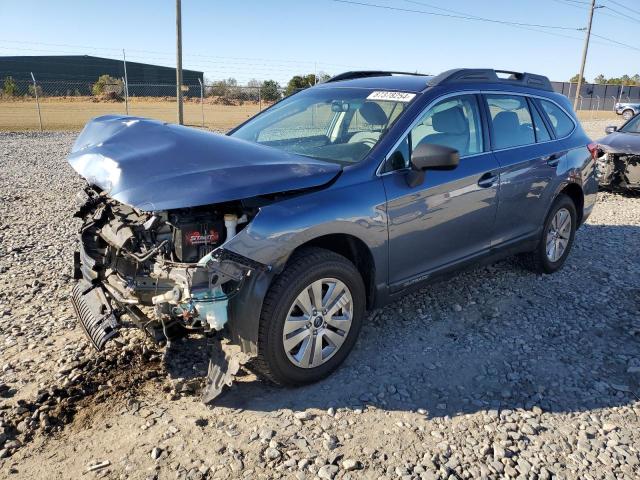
<point x="339" y="125"/>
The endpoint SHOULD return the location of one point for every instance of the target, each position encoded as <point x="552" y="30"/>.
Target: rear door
<point x="450" y="216"/>
<point x="527" y="154"/>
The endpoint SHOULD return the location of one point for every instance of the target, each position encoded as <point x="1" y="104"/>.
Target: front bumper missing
<point x="94" y="312"/>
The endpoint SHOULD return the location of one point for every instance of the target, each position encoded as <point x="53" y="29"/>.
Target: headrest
<point x="506" y="121"/>
<point x="373" y="113"/>
<point x="451" y="120"/>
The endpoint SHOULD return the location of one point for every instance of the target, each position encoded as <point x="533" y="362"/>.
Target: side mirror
<point x="610" y="129"/>
<point x="429" y="156"/>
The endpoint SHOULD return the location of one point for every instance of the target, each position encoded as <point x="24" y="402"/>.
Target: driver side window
<point x="453" y="122"/>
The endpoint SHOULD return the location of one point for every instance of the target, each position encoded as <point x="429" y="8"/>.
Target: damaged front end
<point x="164" y="216"/>
<point x="164" y="272"/>
<point x="618" y="171"/>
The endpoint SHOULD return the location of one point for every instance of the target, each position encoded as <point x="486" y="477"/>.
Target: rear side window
<point x="560" y="121"/>
<point x="542" y="134"/>
<point x="511" y="121"/>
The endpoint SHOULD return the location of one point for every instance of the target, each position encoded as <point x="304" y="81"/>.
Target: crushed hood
<point x="620" y="142"/>
<point x="152" y="165"/>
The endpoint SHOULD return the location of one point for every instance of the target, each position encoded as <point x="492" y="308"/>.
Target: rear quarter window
<point x="561" y="122"/>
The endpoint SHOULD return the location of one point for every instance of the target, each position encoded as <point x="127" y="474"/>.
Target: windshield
<point x="632" y="126"/>
<point x="339" y="125"/>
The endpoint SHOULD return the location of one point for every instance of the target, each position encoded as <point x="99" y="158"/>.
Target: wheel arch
<point x="355" y="250"/>
<point x="575" y="193"/>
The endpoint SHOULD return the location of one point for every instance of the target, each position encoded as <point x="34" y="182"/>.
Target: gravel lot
<point x="497" y="373"/>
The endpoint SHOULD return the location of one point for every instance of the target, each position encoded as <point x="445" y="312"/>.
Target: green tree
<point x="323" y="77"/>
<point x="270" y="91"/>
<point x="300" y="82"/>
<point x="10" y="88"/>
<point x="107" y="84"/>
<point x="600" y="79"/>
<point x="32" y="90"/>
<point x="574" y="79"/>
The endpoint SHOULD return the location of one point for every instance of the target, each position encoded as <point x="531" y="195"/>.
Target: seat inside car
<point x="373" y="114"/>
<point x="451" y="127"/>
<point x="509" y="131"/>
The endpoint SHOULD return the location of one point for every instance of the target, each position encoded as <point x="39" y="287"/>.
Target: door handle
<point x="553" y="159"/>
<point x="487" y="180"/>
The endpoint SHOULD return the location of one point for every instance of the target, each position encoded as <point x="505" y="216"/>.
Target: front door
<point x="450" y="216"/>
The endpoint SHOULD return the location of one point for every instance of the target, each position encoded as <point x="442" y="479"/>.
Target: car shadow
<point x="497" y="337"/>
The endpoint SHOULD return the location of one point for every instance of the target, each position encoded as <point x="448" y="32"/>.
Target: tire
<point x="295" y="366"/>
<point x="627" y="114"/>
<point x="541" y="260"/>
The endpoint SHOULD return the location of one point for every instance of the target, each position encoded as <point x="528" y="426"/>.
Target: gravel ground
<point x="497" y="373"/>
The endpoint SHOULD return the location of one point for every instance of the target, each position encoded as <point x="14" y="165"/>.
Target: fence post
<point x="259" y="100"/>
<point x="201" y="100"/>
<point x="126" y="83"/>
<point x="35" y="91"/>
<point x="126" y="95"/>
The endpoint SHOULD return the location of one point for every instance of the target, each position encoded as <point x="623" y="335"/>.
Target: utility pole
<point x="179" y="60"/>
<point x="584" y="54"/>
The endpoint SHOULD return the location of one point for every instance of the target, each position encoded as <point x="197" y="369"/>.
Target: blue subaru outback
<point x="280" y="235"/>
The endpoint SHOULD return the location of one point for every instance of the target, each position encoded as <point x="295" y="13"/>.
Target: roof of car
<point x="414" y="82"/>
<point x="404" y="82"/>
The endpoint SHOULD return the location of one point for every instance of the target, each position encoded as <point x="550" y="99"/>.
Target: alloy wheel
<point x="317" y="323"/>
<point x="558" y="235"/>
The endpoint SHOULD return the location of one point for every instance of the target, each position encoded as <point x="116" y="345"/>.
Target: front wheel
<point x="311" y="318"/>
<point x="556" y="239"/>
<point x="627" y="114"/>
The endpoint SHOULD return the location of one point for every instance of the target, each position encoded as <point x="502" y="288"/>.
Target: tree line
<point x="602" y="80"/>
<point x="227" y="91"/>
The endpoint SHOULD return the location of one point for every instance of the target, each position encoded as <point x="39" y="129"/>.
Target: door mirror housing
<point x="610" y="129"/>
<point x="429" y="156"/>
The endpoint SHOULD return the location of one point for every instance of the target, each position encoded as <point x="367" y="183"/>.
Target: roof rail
<point x="461" y="75"/>
<point x="368" y="73"/>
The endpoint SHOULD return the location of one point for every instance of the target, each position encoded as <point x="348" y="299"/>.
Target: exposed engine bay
<point x="162" y="271"/>
<point x="619" y="170"/>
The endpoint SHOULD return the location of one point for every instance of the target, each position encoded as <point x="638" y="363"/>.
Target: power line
<point x="170" y="55"/>
<point x="556" y="34"/>
<point x="616" y="42"/>
<point x="460" y="17"/>
<point x="621" y="14"/>
<point x="624" y="6"/>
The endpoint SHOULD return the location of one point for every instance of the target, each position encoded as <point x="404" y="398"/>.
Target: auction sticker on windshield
<point x="391" y="96"/>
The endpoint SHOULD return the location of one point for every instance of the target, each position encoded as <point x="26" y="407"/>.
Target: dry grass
<point x="72" y="113"/>
<point x="598" y="115"/>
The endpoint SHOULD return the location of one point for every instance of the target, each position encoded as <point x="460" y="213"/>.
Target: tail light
<point x="594" y="149"/>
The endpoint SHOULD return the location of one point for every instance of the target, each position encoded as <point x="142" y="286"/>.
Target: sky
<point x="276" y="39"/>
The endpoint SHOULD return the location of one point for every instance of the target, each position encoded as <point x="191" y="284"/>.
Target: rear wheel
<point x="311" y="318"/>
<point x="627" y="114"/>
<point x="556" y="238"/>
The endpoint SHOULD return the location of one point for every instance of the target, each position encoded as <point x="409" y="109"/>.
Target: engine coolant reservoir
<point x="213" y="311"/>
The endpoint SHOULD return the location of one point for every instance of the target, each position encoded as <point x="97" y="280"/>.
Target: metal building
<point x="144" y="79"/>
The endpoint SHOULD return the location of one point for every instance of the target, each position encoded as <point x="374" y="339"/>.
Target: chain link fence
<point x="68" y="105"/>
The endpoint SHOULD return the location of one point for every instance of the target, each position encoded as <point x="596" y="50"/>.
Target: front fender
<point x="279" y="229"/>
